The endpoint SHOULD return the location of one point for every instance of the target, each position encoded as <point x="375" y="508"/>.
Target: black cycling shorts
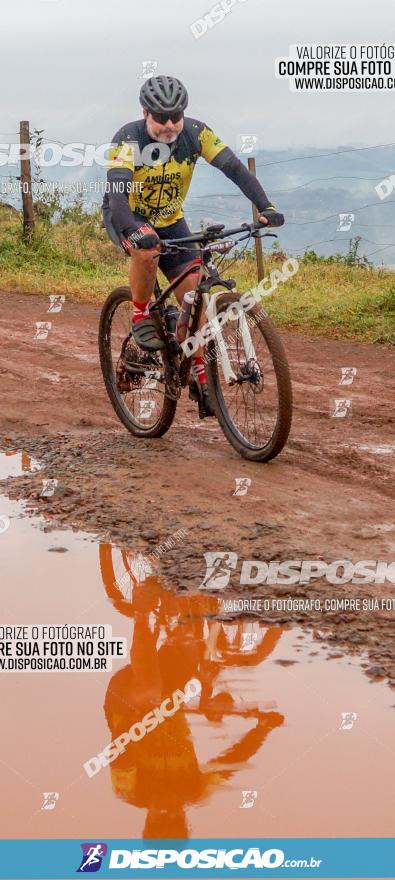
<point x="170" y="264"/>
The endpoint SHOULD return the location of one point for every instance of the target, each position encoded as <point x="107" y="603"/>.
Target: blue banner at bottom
<point x="206" y="858"/>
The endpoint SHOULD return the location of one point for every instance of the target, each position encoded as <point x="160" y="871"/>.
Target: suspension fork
<point x="242" y="329"/>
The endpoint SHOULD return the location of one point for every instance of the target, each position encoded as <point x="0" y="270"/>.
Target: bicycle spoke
<point x="252" y="404"/>
<point x="142" y="397"/>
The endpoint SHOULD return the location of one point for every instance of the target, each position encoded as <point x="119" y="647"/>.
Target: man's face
<point x="165" y="134"/>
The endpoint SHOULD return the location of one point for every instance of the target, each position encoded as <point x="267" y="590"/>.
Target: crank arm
<point x="150" y="374"/>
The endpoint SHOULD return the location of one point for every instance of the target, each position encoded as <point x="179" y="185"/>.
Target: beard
<point x="162" y="138"/>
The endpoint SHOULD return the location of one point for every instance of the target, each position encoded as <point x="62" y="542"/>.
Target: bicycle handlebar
<point x="217" y="231"/>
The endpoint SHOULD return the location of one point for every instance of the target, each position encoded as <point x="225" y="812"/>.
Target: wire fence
<point x="229" y="206"/>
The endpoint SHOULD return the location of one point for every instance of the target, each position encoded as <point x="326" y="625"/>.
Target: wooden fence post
<point x="26" y="182"/>
<point x="258" y="243"/>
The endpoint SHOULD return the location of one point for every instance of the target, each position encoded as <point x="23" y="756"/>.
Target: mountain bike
<point x="248" y="376"/>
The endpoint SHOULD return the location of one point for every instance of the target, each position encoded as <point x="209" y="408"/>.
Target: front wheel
<point x="134" y="380"/>
<point x="249" y="381"/>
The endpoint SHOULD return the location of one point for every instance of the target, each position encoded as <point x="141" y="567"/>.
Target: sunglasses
<point x="163" y="117"/>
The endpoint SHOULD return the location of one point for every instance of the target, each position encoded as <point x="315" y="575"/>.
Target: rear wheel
<point x="249" y="381"/>
<point x="140" y="401"/>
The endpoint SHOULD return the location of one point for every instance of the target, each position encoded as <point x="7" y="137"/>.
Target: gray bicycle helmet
<point x="160" y="94"/>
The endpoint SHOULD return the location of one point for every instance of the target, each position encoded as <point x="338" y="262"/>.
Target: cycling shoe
<point x="146" y="336"/>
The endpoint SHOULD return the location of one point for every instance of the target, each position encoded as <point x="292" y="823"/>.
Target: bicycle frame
<point x="208" y="277"/>
<point x="205" y="281"/>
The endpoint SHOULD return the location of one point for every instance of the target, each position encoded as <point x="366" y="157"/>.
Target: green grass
<point x="331" y="299"/>
<point x="71" y="258"/>
<point x="323" y="298"/>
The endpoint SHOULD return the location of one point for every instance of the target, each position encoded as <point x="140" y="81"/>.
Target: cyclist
<point x="143" y="202"/>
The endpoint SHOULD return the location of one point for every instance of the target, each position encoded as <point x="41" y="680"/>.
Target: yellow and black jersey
<point x="156" y="191"/>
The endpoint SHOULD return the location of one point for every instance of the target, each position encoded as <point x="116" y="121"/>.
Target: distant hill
<point x="312" y="192"/>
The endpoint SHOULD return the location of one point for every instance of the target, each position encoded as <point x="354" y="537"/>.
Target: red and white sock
<point x="140" y="311"/>
<point x="198" y="369"/>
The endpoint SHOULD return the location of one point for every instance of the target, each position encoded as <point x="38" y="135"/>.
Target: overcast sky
<point x="74" y="67"/>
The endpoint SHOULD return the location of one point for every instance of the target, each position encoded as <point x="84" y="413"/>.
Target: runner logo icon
<point x="219" y="566"/>
<point x="92" y="855"/>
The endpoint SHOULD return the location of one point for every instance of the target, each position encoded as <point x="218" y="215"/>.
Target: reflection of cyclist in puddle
<point x="24" y="456"/>
<point x="170" y="646"/>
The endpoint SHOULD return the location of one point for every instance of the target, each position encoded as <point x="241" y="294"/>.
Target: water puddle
<point x="378" y="450"/>
<point x="276" y="730"/>
<point x="371" y="449"/>
<point x="14" y="464"/>
<point x="52" y="376"/>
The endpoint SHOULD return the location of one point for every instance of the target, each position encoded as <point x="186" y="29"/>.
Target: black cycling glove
<point x="274" y="218"/>
<point x="144" y="237"/>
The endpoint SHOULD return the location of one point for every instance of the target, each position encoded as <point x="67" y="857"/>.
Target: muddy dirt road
<point x="328" y="496"/>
